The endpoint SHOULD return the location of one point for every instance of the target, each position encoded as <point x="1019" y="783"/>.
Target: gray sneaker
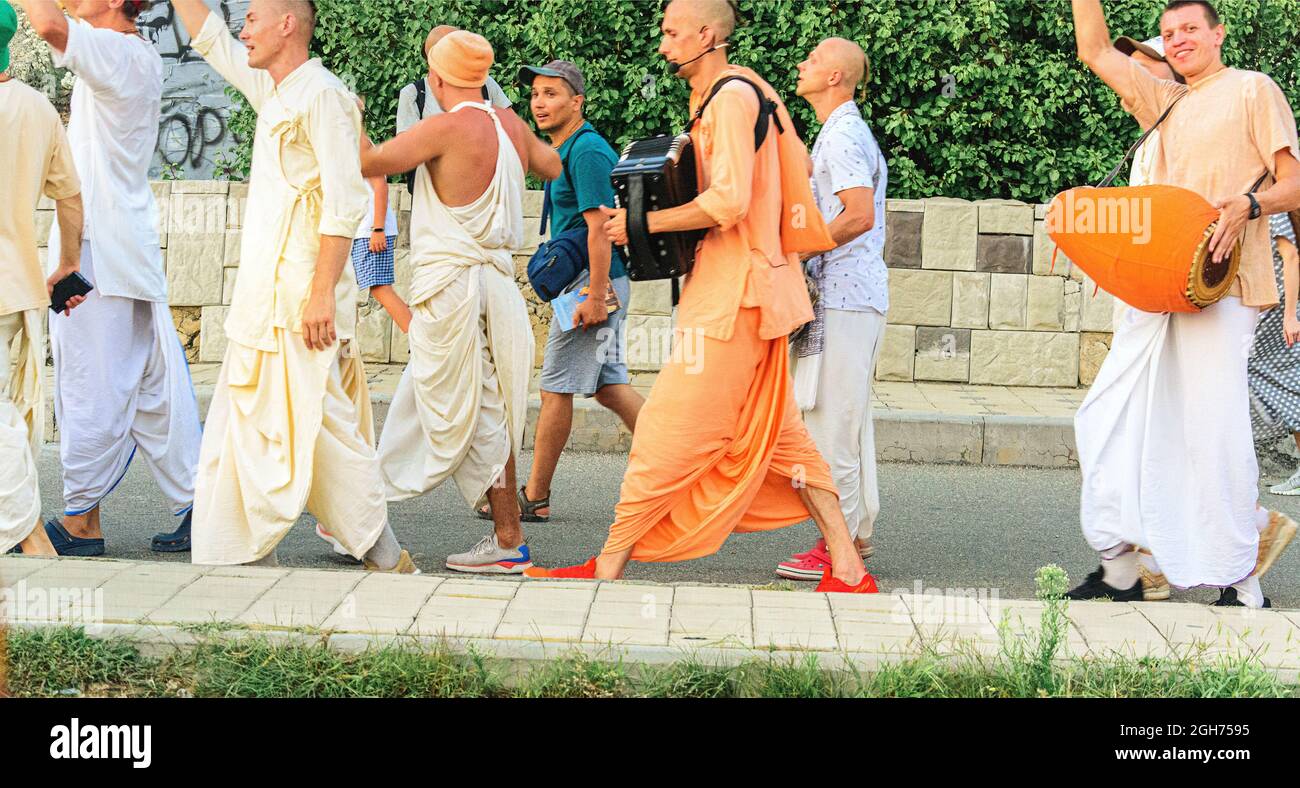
<point x="1289" y="487"/>
<point x="488" y="557"/>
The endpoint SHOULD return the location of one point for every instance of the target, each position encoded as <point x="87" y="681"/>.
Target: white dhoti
<point x="282" y="435"/>
<point x="840" y="420"/>
<point x="1165" y="444"/>
<point x="449" y="416"/>
<point x="460" y="407"/>
<point x="22" y="424"/>
<point x="122" y="384"/>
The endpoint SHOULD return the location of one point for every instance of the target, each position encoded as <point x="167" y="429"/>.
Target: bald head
<point x="847" y="58"/>
<point x="717" y="15"/>
<point x="302" y="11"/>
<point x="435" y="35"/>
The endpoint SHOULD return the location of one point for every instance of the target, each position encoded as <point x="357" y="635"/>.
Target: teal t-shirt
<point x="584" y="185"/>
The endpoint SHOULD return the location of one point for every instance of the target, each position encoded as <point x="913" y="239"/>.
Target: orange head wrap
<point x="462" y="59"/>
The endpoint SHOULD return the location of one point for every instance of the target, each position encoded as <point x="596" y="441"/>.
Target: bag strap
<point x="546" y="188"/>
<point x="766" y="109"/>
<point x="1109" y="179"/>
<point x="420" y="96"/>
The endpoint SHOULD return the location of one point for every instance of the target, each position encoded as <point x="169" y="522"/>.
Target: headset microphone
<point x="673" y="68"/>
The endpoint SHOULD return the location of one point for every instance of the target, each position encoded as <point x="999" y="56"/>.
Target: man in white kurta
<point x="459" y="409"/>
<point x="122" y="384"/>
<point x="284" y="431"/>
<point x="1169" y="464"/>
<point x="36" y="160"/>
<point x="835" y="356"/>
<point x="1120" y="383"/>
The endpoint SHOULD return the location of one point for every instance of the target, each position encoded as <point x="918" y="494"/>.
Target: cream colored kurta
<point x="284" y="431"/>
<point x="460" y="407"/>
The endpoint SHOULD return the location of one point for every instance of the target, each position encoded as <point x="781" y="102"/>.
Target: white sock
<point x="386" y="552"/>
<point x="1121" y="571"/>
<point x="1249" y="593"/>
<point x="1149" y="561"/>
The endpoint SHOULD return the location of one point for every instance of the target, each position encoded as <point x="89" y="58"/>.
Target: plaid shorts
<point x="372" y="268"/>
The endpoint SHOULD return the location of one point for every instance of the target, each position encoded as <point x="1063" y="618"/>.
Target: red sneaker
<point x="820" y="546"/>
<point x="585" y="571"/>
<point x="833" y="585"/>
<point x="806" y="566"/>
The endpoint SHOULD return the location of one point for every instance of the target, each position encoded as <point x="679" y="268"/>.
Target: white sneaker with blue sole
<point x="488" y="557"/>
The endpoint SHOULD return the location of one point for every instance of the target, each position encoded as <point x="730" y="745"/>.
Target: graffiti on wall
<point x="194" y="131"/>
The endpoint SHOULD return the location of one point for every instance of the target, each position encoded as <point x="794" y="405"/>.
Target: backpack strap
<point x="766" y="109"/>
<point x="546" y="189"/>
<point x="421" y="94"/>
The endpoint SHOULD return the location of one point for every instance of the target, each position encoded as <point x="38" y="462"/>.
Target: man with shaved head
<point x="835" y="357"/>
<point x="413" y="103"/>
<point x="283" y="432"/>
<point x="121" y="380"/>
<point x="720" y="446"/>
<point x="459" y="410"/>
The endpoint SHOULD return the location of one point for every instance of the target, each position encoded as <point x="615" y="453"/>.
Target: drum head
<point x="1209" y="281"/>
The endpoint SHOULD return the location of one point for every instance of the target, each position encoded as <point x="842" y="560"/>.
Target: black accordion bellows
<point x="651" y="175"/>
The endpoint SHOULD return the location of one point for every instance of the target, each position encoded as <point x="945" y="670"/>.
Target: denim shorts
<point x="582" y="361"/>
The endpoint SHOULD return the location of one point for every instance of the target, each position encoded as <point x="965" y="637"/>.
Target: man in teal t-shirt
<point x="586" y="358"/>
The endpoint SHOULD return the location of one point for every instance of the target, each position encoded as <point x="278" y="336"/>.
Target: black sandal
<point x="527" y="509"/>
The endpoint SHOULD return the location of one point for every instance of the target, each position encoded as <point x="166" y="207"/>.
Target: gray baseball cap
<point x="1153" y="48"/>
<point x="556" y="68"/>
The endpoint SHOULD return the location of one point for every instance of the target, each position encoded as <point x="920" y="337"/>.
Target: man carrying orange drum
<point x="1170" y="464"/>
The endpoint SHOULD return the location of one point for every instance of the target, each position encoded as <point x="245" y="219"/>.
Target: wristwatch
<point x="1254" y="206"/>
<point x="377" y="230"/>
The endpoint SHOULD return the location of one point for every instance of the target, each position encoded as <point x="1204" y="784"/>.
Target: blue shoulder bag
<point x="559" y="261"/>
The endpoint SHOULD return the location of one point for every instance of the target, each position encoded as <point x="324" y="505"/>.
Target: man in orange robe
<point x="720" y="445"/>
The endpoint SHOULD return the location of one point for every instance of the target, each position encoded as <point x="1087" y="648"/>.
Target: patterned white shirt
<point x="852" y="277"/>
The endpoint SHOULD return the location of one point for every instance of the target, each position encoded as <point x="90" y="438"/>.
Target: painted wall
<point x="194" y="130"/>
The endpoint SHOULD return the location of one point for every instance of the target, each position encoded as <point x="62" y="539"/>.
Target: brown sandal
<point x="527" y="509"/>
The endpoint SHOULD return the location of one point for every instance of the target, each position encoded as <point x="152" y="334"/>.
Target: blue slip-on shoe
<point x="67" y="544"/>
<point x="177" y="541"/>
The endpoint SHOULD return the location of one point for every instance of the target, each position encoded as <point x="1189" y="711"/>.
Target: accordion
<point x="653" y="174"/>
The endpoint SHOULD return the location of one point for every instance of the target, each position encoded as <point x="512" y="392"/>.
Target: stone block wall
<point x="973" y="296"/>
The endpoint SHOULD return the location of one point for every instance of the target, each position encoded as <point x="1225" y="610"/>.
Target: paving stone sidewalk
<point x="161" y="605"/>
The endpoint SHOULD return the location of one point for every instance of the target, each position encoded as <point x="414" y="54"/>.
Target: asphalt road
<point x="944" y="526"/>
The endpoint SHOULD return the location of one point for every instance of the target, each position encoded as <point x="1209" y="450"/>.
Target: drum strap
<point x="1109" y="179"/>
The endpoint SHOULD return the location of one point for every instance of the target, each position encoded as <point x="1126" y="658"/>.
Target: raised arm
<point x="1092" y="38"/>
<point x="212" y="39"/>
<point x="193" y="13"/>
<point x="48" y="21"/>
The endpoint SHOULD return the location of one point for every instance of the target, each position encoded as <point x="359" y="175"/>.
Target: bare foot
<point x="610" y="567"/>
<point x="37" y="543"/>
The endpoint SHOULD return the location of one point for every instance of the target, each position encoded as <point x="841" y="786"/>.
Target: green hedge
<point x="969" y="98"/>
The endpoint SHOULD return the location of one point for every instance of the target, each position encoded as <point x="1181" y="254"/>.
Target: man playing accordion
<point x="720" y="445"/>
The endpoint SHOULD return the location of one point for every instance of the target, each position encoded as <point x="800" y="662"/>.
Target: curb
<point x="901" y="435"/>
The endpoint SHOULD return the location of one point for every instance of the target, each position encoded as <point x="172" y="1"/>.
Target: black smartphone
<point x="70" y="286"/>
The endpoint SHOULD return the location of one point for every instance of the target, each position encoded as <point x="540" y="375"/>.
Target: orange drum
<point x="1146" y="245"/>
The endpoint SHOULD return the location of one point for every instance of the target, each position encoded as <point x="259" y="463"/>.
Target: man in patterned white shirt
<point x="836" y="355"/>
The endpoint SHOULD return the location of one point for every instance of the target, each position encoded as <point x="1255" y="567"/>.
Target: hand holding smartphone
<point x="71" y="286"/>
